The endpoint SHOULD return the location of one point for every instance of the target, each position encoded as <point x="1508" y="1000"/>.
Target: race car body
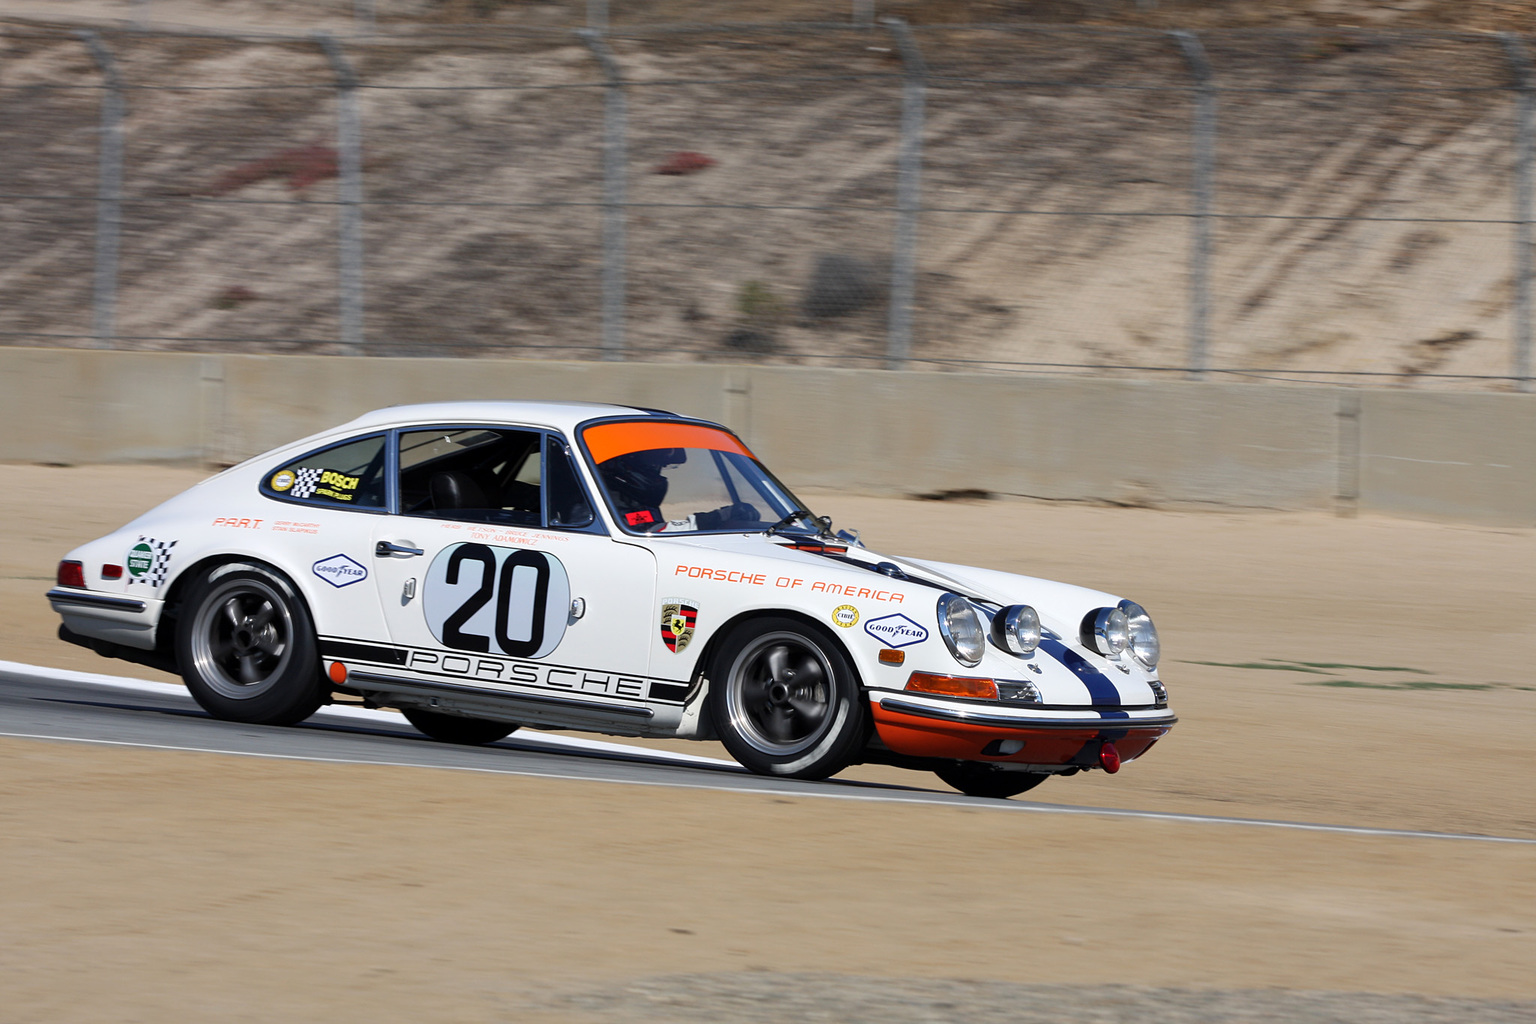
<point x="488" y="565"/>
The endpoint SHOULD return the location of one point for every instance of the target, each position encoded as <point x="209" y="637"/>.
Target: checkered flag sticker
<point x="148" y="560"/>
<point x="305" y="481"/>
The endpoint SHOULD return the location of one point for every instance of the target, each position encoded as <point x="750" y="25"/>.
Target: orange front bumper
<point x="919" y="736"/>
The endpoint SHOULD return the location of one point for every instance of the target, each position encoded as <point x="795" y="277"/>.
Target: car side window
<point x="348" y="475"/>
<point x="472" y="474"/>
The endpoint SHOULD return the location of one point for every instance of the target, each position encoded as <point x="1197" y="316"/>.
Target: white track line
<point x="819" y="793"/>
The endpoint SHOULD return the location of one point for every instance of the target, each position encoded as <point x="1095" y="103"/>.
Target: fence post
<point x="614" y="161"/>
<point x="349" y="169"/>
<point x="109" y="196"/>
<point x="597" y="15"/>
<point x="1520" y="64"/>
<point x="908" y="195"/>
<point x="1201" y="189"/>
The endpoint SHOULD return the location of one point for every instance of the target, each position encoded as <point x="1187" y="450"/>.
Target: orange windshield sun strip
<point x="606" y="440"/>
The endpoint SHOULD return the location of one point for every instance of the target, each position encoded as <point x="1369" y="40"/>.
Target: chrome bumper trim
<point x="969" y="717"/>
<point x="63" y="595"/>
<point x="418" y="686"/>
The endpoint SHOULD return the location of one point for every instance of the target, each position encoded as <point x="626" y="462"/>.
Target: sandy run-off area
<point x="1350" y="671"/>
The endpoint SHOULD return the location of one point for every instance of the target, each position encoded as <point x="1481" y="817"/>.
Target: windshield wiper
<point x="794" y="517"/>
<point x="823" y="523"/>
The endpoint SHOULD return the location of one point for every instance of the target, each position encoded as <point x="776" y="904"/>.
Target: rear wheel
<point x="474" y="732"/>
<point x="976" y="778"/>
<point x="786" y="702"/>
<point x="246" y="647"/>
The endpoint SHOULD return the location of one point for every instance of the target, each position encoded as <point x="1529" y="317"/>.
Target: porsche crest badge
<point x="677" y="622"/>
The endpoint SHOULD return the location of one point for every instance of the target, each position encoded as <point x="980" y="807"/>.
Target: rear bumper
<point x="926" y="728"/>
<point x="130" y="621"/>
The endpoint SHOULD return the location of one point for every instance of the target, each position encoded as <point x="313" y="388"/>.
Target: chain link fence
<point x="1299" y="205"/>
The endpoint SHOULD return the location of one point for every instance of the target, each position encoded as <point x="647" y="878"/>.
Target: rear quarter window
<point x="347" y="475"/>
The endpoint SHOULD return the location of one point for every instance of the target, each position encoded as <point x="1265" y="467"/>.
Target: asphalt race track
<point x="66" y="706"/>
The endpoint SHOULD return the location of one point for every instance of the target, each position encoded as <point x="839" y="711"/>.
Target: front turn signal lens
<point x="952" y="686"/>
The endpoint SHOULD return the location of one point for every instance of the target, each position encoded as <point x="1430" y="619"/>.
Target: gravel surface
<point x="753" y="996"/>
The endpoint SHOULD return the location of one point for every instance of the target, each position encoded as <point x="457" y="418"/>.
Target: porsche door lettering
<point x="554" y="677"/>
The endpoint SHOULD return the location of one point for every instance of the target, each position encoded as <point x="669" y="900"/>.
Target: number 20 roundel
<point x="497" y="600"/>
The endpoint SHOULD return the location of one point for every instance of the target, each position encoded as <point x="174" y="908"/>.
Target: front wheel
<point x="785" y="701"/>
<point x="473" y="732"/>
<point x="246" y="647"/>
<point x="976" y="778"/>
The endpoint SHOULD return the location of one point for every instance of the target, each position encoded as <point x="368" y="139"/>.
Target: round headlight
<point x="1144" y="644"/>
<point x="1107" y="631"/>
<point x="960" y="627"/>
<point x="1017" y="629"/>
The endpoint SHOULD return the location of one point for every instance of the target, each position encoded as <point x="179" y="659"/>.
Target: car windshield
<point x="663" y="477"/>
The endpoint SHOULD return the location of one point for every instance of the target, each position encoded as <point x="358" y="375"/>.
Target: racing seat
<point x="451" y="489"/>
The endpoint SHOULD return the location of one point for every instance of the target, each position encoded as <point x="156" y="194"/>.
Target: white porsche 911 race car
<point x="487" y="565"/>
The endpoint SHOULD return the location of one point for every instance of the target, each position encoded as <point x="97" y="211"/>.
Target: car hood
<point x="1062" y="602"/>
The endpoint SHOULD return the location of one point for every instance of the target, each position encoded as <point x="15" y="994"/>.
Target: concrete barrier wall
<point x="1462" y="457"/>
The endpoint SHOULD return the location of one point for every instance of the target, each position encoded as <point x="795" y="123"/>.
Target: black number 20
<point x="502" y="586"/>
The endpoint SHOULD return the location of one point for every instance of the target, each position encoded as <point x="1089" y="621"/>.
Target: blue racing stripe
<point x="1100" y="689"/>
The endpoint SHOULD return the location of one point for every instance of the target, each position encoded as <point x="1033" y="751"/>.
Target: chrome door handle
<point x="384" y="547"/>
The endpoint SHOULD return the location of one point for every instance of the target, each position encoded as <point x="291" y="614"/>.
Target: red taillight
<point x="111" y="572"/>
<point x="71" y="574"/>
<point x="952" y="686"/>
<point x="1109" y="758"/>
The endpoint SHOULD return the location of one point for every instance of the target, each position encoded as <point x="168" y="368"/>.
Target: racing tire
<point x="976" y="778"/>
<point x="472" y="732"/>
<point x="246" y="647"/>
<point x="785" y="701"/>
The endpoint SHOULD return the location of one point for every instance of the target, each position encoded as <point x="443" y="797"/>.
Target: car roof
<point x="562" y="416"/>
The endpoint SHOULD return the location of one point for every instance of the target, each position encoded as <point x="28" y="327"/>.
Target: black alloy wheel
<point x="785" y="700"/>
<point x="246" y="647"/>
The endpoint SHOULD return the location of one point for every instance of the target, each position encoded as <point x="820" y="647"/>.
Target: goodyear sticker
<point x="340" y="571"/>
<point x="896" y="631"/>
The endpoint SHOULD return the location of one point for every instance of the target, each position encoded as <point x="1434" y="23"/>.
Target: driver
<point x="637" y="484"/>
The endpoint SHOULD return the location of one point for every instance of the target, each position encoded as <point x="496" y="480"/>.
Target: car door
<point x="496" y="575"/>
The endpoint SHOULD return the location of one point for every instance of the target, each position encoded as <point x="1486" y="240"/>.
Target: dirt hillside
<point x="483" y="175"/>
